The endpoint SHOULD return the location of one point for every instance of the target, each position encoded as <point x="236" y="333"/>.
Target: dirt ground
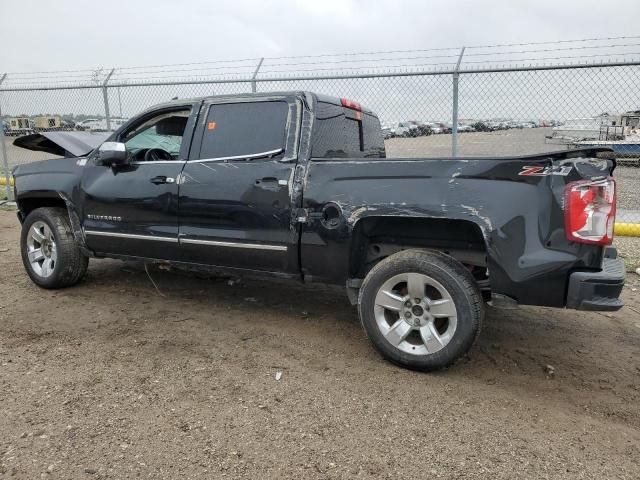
<point x="112" y="379"/>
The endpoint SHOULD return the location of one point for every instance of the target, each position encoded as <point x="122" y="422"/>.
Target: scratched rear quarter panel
<point x="521" y="218"/>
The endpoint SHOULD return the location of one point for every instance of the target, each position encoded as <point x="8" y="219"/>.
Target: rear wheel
<point x="420" y="309"/>
<point x="49" y="251"/>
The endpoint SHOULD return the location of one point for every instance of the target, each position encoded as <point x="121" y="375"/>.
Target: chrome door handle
<point x="282" y="183"/>
<point x="160" y="179"/>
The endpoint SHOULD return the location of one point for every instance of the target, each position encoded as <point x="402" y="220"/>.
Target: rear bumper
<point x="598" y="290"/>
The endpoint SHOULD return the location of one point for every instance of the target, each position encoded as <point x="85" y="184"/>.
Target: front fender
<point x="51" y="183"/>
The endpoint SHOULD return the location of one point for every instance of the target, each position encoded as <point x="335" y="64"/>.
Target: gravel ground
<point x="502" y="142"/>
<point x="627" y="191"/>
<point x="629" y="250"/>
<point x="113" y="379"/>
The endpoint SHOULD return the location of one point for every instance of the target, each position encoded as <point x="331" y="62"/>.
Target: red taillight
<point x="590" y="211"/>
<point x="351" y="104"/>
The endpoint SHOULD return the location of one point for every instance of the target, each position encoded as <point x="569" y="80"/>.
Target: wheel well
<point x="28" y="205"/>
<point x="375" y="238"/>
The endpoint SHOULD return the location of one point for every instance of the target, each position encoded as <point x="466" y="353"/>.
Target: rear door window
<point x="341" y="132"/>
<point x="245" y="130"/>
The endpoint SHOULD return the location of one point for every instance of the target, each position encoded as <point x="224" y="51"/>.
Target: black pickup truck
<point x="298" y="185"/>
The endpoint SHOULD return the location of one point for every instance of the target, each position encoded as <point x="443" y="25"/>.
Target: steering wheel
<point x="153" y="154"/>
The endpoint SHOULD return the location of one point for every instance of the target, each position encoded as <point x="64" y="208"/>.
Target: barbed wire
<point x="551" y="42"/>
<point x="378" y="60"/>
<point x="546" y="59"/>
<point x="333" y="62"/>
<point x="631" y="37"/>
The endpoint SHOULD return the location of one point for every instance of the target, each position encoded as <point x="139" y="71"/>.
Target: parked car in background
<point x="445" y="127"/>
<point x="482" y="127"/>
<point x="117" y="122"/>
<point x="407" y="129"/>
<point x="395" y="130"/>
<point x="67" y="125"/>
<point x="88" y="124"/>
<point x="100" y="125"/>
<point x="389" y="130"/>
<point x="435" y="128"/>
<point x="424" y="128"/>
<point x="495" y="125"/>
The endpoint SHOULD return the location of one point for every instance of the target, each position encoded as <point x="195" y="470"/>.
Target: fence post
<point x="5" y="159"/>
<point x="454" y="126"/>
<point x="255" y="74"/>
<point x="106" y="99"/>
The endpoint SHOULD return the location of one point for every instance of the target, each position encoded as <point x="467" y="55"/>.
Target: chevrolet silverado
<point x="298" y="185"/>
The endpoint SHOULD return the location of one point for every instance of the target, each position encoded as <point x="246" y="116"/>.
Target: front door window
<point x="159" y="138"/>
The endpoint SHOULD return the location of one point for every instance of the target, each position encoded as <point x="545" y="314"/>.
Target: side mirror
<point x="112" y="153"/>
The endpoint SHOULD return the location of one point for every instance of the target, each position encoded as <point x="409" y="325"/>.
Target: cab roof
<point x="319" y="97"/>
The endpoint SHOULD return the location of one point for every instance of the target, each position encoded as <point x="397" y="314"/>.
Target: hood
<point x="63" y="144"/>
<point x="48" y="168"/>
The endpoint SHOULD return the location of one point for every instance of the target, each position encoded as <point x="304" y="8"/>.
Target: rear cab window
<point x="245" y="131"/>
<point x="342" y="132"/>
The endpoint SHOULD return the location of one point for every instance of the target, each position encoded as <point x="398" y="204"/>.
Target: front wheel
<point x="50" y="254"/>
<point x="420" y="309"/>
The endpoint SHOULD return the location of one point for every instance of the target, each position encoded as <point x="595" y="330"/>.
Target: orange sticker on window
<point x="211" y="126"/>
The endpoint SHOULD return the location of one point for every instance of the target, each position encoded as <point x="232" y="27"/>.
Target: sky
<point x="68" y="34"/>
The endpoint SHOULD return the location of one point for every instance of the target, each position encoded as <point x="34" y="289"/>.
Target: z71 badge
<point x="538" y="171"/>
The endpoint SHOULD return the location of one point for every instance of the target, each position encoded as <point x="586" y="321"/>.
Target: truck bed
<point x="515" y="203"/>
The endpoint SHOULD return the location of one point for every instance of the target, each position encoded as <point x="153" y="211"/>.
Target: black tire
<point x="459" y="285"/>
<point x="70" y="265"/>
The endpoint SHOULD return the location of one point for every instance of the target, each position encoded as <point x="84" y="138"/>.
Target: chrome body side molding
<point x="216" y="243"/>
<point x="194" y="241"/>
<point x="131" y="236"/>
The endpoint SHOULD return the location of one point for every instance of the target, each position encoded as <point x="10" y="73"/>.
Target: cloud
<point x="66" y="34"/>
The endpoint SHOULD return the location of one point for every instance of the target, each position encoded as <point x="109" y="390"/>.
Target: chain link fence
<point x="430" y="113"/>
